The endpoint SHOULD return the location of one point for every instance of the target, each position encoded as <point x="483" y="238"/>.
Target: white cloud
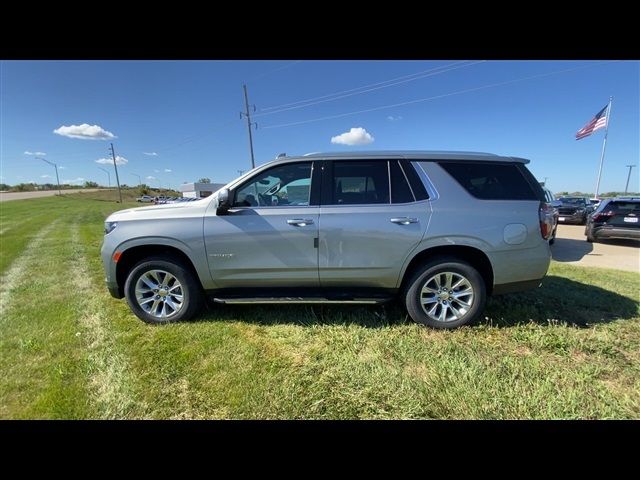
<point x="73" y="180"/>
<point x="45" y="176"/>
<point x="85" y="132"/>
<point x="355" y="136"/>
<point x="156" y="171"/>
<point x="167" y="170"/>
<point x="391" y="118"/>
<point x="150" y="178"/>
<point x="40" y="154"/>
<point x="61" y="168"/>
<point x="151" y="154"/>
<point x="109" y="161"/>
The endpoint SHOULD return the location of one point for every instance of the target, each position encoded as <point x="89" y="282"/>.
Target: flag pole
<point x="604" y="145"/>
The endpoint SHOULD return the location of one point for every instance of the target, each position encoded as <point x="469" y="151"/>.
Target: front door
<point x="267" y="239"/>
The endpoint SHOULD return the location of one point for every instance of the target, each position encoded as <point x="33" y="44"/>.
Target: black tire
<point x="413" y="295"/>
<point x="552" y="240"/>
<point x="192" y="296"/>
<point x="590" y="239"/>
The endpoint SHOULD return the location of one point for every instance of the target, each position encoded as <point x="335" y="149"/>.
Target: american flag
<point x="599" y="121"/>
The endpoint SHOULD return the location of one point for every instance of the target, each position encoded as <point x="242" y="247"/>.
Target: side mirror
<point x="224" y="202"/>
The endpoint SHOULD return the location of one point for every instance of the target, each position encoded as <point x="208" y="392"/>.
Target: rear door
<point x="370" y="220"/>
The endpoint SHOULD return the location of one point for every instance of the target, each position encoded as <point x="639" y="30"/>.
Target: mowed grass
<point x="570" y="349"/>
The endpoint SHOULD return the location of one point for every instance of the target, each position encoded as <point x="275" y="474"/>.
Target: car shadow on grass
<point x="558" y="301"/>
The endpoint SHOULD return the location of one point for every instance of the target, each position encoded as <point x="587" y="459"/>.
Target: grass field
<point x="570" y="349"/>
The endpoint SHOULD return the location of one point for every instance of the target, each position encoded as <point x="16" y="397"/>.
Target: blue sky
<point x="187" y="113"/>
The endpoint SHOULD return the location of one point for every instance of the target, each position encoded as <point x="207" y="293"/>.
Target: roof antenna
<point x="280" y="155"/>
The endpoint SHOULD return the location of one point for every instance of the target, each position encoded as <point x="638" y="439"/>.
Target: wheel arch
<point x="473" y="256"/>
<point x="134" y="254"/>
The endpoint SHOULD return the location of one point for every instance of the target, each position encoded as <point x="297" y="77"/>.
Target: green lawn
<point x="570" y="349"/>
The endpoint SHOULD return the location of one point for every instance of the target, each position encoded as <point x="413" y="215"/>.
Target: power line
<point x="291" y="64"/>
<point x="374" y="86"/>
<point x="435" y="97"/>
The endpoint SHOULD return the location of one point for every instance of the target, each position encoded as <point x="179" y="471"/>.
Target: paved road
<point x="6" y="197"/>
<point x="572" y="247"/>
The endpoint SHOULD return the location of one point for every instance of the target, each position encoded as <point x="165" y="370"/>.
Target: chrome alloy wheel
<point x="159" y="293"/>
<point x="446" y="296"/>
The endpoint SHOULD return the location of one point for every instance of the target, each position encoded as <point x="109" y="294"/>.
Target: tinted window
<point x="623" y="208"/>
<point x="491" y="181"/>
<point x="357" y="183"/>
<point x="284" y="185"/>
<point x="400" y="190"/>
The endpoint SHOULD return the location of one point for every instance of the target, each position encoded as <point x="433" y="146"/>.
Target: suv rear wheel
<point x="162" y="290"/>
<point x="446" y="293"/>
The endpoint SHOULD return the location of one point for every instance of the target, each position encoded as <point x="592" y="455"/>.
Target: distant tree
<point x="89" y="184"/>
<point x="4" y="186"/>
<point x="204" y="180"/>
<point x="144" y="189"/>
<point x="562" y="193"/>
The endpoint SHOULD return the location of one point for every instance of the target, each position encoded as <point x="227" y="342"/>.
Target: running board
<point x="238" y="300"/>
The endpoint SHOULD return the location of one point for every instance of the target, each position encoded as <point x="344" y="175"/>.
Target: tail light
<point x="546" y="220"/>
<point x="602" y="216"/>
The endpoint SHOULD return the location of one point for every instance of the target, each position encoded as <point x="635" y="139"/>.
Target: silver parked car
<point x="439" y="230"/>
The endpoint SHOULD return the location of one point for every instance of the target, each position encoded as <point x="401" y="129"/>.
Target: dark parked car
<point x="551" y="200"/>
<point x="574" y="210"/>
<point x="615" y="218"/>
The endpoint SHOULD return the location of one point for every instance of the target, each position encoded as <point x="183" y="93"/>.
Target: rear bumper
<point x="604" y="232"/>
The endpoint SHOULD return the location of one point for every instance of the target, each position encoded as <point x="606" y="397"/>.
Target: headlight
<point x="109" y="226"/>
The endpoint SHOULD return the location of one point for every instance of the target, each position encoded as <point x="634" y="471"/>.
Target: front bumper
<point x="574" y="218"/>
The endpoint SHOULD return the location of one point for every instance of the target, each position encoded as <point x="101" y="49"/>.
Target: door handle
<point x="300" y="222"/>
<point x="404" y="220"/>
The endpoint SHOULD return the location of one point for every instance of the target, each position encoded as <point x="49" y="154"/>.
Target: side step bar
<point x="238" y="300"/>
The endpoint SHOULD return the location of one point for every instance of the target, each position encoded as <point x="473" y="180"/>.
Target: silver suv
<point x="439" y="230"/>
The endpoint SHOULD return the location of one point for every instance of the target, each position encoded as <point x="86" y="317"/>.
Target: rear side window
<point x="358" y="183"/>
<point x="492" y="181"/>
<point x="400" y="190"/>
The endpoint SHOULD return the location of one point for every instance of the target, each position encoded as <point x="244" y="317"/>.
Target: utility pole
<point x="139" y="179"/>
<point x="249" y="123"/>
<point x="57" y="178"/>
<point x="626" y="188"/>
<point x="113" y="154"/>
<point x="108" y="175"/>
<point x="240" y="172"/>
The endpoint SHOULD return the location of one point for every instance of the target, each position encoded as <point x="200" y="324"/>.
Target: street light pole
<point x="108" y="175"/>
<point x="139" y="179"/>
<point x="57" y="178"/>
<point x="626" y="188"/>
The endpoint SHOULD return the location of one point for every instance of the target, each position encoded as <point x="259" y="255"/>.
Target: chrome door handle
<point x="404" y="220"/>
<point x="300" y="222"/>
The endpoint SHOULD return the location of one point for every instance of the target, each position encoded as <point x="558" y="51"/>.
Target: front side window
<point x="284" y="185"/>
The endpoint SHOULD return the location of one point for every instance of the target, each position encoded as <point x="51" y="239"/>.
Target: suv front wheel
<point x="446" y="293"/>
<point x="162" y="290"/>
